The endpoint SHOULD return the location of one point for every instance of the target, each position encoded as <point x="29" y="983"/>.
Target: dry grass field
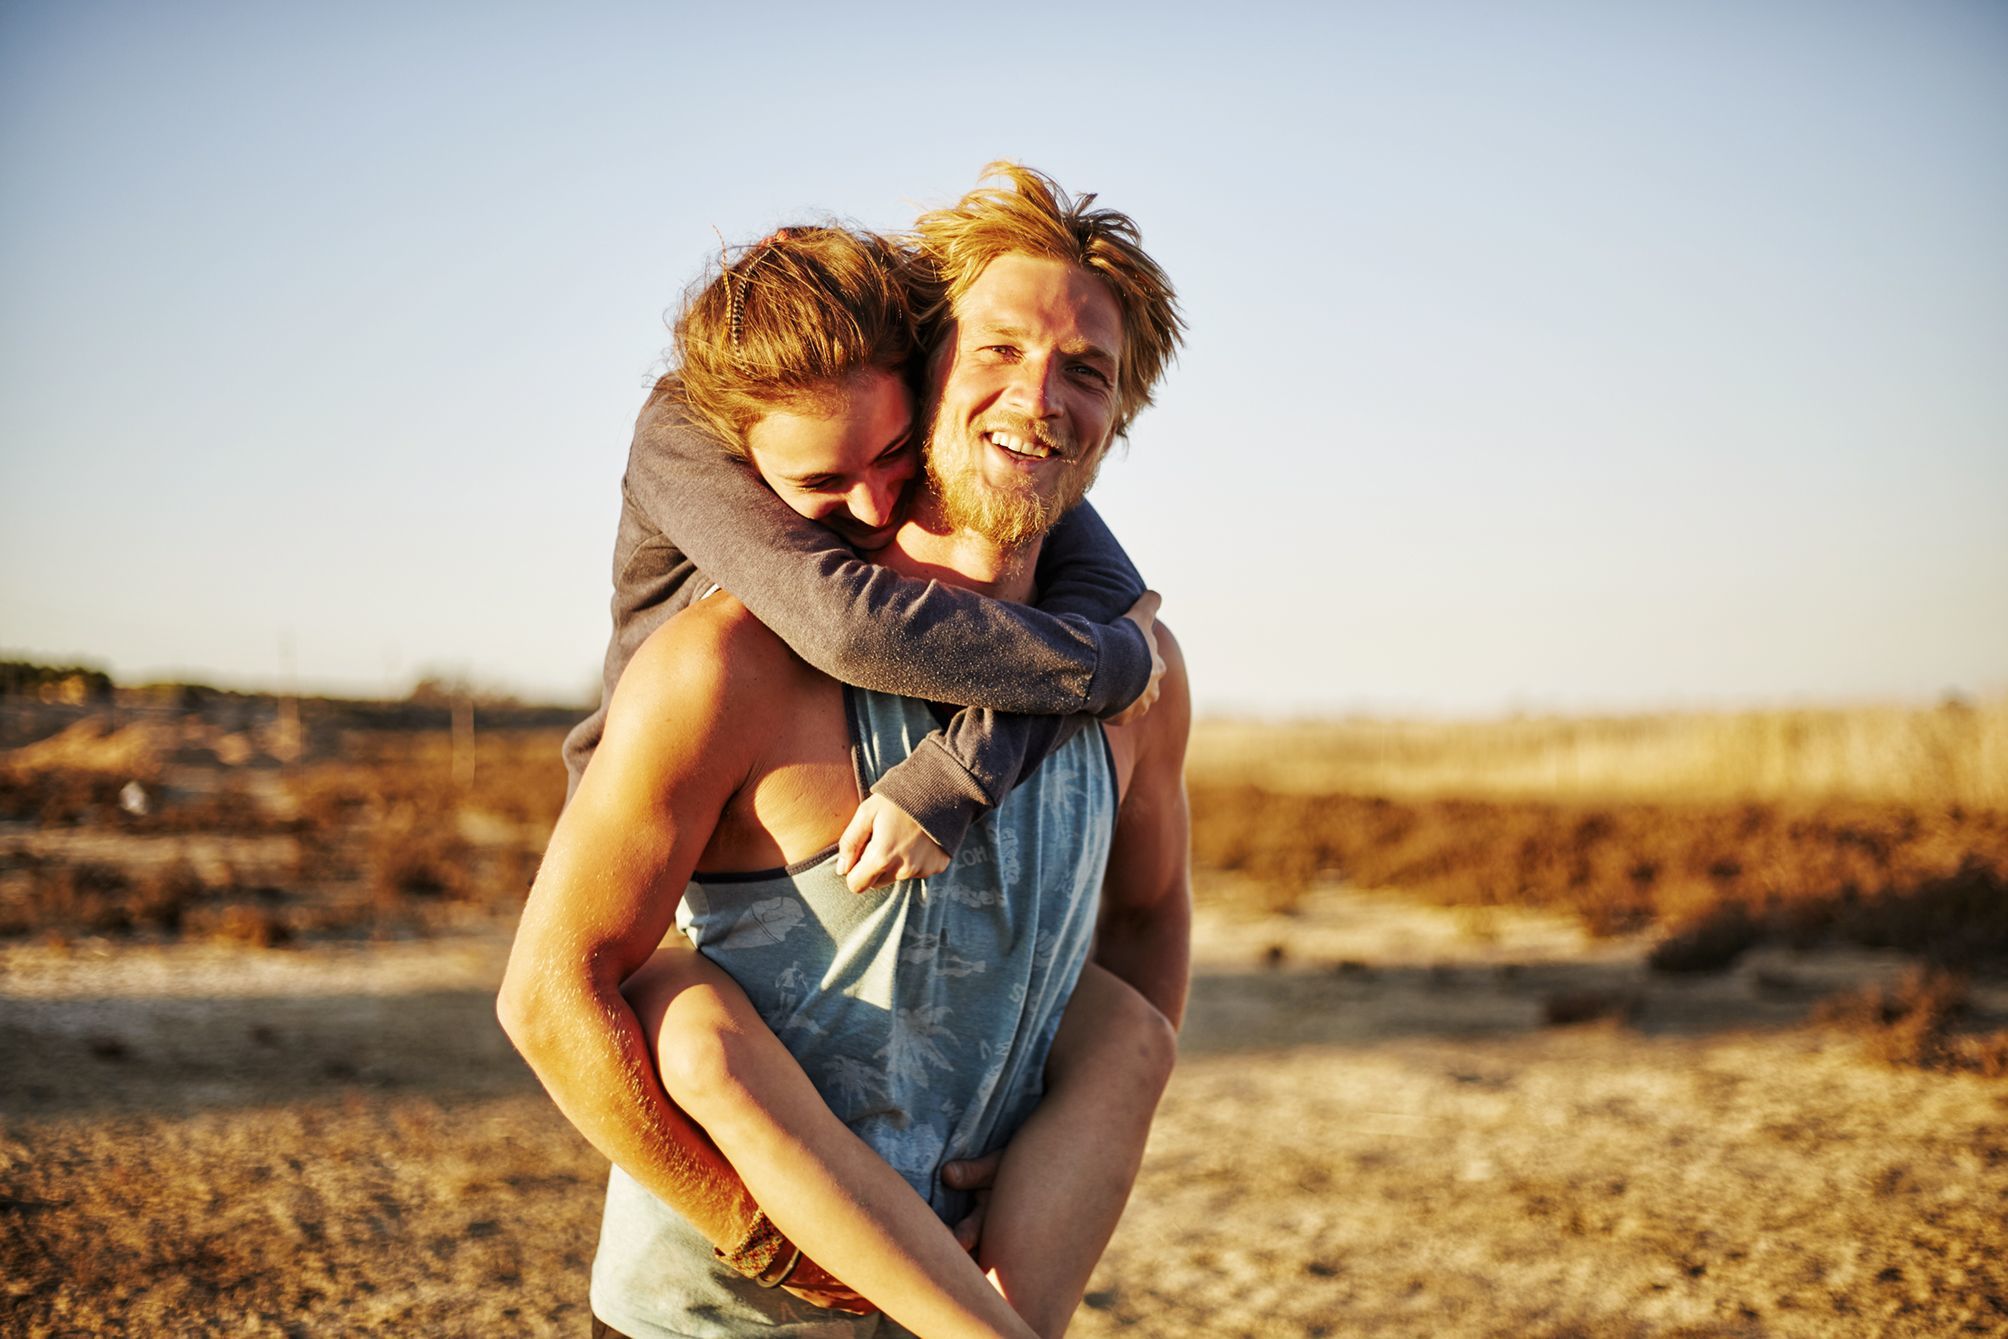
<point x="1685" y="1025"/>
<point x="1952" y="754"/>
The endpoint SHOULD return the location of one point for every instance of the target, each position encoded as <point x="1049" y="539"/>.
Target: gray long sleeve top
<point x="692" y="514"/>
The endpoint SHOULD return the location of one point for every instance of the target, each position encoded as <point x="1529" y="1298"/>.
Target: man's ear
<point x="941" y="355"/>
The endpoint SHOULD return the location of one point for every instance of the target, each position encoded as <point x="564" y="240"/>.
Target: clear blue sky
<point x="1567" y="355"/>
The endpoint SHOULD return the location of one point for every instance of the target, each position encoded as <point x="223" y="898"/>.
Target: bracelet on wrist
<point x="763" y="1254"/>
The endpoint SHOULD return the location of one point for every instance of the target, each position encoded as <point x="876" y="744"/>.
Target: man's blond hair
<point x="1030" y="214"/>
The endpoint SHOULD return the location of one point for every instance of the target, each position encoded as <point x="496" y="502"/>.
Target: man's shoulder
<point x="715" y="651"/>
<point x="698" y="688"/>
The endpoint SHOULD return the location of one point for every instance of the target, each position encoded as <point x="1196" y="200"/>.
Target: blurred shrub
<point x="97" y="898"/>
<point x="1708" y="942"/>
<point x="58" y="799"/>
<point x="1723" y="876"/>
<point x="1916" y="1021"/>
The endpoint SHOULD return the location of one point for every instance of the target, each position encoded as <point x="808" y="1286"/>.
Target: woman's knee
<point x="695" y="1056"/>
<point x="1118" y="1029"/>
<point x="1155" y="1039"/>
<point x="654" y="986"/>
<point x="694" y="1019"/>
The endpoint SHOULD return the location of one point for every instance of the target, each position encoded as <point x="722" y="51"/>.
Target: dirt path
<point x="1373" y="1130"/>
<point x="1384" y="1138"/>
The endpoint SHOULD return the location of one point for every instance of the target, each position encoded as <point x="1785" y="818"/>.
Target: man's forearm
<point x="588" y="1050"/>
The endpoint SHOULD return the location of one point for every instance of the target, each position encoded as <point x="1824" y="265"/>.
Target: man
<point x="1053" y="333"/>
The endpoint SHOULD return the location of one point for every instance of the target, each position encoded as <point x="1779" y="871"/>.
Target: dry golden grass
<point x="376" y="831"/>
<point x="1719" y="876"/>
<point x="1886" y="826"/>
<point x="1953" y="754"/>
<point x="1879" y="825"/>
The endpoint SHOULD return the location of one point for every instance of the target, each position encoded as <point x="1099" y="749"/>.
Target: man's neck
<point x="927" y="546"/>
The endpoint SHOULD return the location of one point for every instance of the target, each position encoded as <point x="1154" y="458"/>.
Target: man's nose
<point x="1032" y="389"/>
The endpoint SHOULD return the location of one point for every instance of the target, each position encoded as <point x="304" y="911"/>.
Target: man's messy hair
<point x="1030" y="214"/>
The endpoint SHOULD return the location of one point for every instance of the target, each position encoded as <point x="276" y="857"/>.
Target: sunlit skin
<point x="1025" y="386"/>
<point x="845" y="463"/>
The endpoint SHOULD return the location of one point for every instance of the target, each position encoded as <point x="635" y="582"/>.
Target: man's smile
<point x="1019" y="446"/>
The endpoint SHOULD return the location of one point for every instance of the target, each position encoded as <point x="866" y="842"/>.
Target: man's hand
<point x="815" y="1285"/>
<point x="883" y="843"/>
<point x="975" y="1175"/>
<point x="1144" y="614"/>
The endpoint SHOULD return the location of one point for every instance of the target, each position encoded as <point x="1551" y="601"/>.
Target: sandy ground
<point x="1373" y="1130"/>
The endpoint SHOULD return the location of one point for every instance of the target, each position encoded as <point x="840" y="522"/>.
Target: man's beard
<point x="1010" y="515"/>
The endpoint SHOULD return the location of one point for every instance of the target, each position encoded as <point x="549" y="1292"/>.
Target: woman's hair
<point x="786" y="321"/>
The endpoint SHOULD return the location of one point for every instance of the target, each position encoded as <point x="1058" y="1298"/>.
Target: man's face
<point x="847" y="465"/>
<point x="1025" y="396"/>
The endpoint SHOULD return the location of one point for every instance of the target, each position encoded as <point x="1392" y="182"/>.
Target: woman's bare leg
<point x="1062" y="1182"/>
<point x="818" y="1182"/>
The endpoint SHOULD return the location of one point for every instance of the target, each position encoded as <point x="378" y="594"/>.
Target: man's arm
<point x="682" y="739"/>
<point x="606" y="895"/>
<point x="1145" y="935"/>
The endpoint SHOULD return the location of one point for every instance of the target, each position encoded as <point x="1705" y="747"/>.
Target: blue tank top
<point x="923" y="1012"/>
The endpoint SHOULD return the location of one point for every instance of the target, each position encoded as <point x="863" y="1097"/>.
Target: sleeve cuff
<point x="1123" y="670"/>
<point x="936" y="792"/>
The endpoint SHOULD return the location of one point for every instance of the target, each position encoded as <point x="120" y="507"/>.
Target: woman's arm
<point x="861" y="623"/>
<point x="870" y="627"/>
<point x="968" y="766"/>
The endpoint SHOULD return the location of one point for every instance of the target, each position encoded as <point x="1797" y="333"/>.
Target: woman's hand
<point x="1144" y="614"/>
<point x="882" y="844"/>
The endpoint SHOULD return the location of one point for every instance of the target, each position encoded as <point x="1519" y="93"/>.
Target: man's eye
<point x="1093" y="373"/>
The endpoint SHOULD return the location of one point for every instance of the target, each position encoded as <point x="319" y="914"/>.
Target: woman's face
<point x="849" y="467"/>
